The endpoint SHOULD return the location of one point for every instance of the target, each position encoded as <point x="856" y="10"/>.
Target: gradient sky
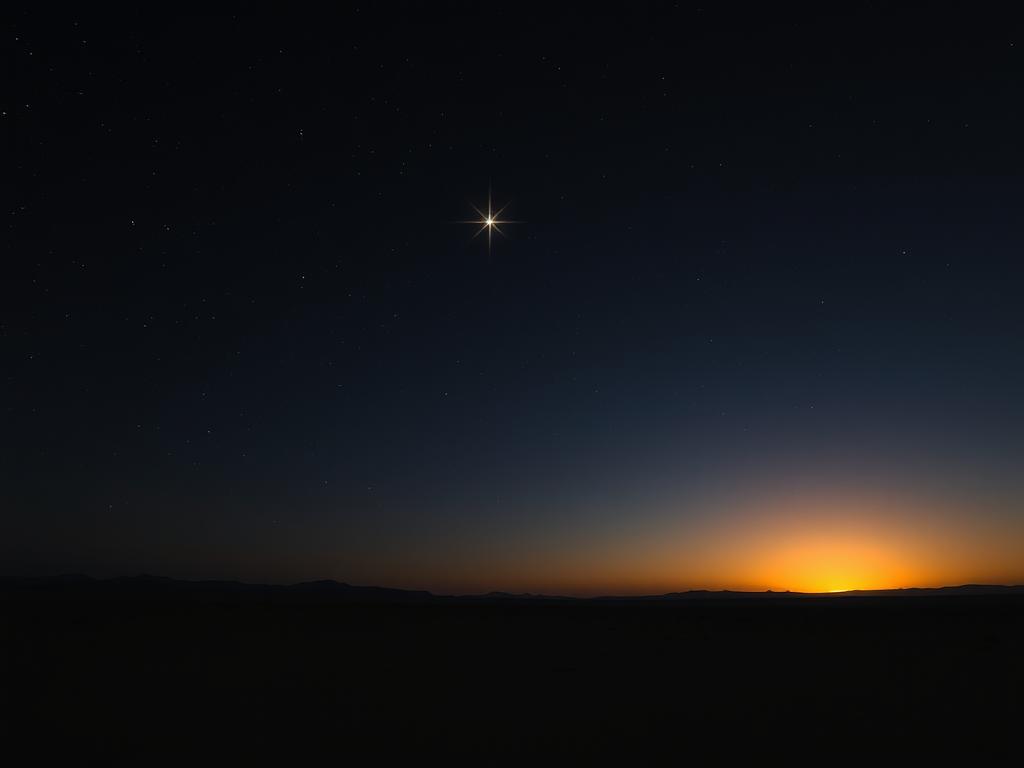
<point x="762" y="326"/>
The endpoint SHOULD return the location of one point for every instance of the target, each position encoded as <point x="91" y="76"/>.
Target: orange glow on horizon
<point x="837" y="562"/>
<point x="827" y="542"/>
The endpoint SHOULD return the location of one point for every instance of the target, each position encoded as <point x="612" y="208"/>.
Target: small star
<point x="489" y="221"/>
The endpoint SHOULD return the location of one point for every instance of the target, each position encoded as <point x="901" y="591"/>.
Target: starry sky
<point x="760" y="327"/>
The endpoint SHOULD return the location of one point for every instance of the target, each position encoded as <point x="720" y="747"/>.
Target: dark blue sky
<point x="763" y="257"/>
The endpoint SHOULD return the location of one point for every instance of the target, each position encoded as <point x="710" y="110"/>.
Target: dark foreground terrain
<point x="139" y="677"/>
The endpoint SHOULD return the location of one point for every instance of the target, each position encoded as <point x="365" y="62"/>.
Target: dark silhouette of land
<point x="148" y="671"/>
<point x="81" y="586"/>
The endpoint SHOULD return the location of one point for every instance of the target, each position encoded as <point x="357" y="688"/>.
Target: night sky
<point x="761" y="324"/>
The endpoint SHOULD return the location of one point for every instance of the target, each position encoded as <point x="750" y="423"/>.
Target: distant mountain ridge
<point x="328" y="590"/>
<point x="145" y="585"/>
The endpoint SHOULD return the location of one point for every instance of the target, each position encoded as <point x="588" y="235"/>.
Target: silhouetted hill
<point x="155" y="671"/>
<point x="328" y="590"/>
<point x="726" y="594"/>
<point x="162" y="587"/>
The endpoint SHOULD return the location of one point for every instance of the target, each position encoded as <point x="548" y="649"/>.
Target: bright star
<point x="490" y="221"/>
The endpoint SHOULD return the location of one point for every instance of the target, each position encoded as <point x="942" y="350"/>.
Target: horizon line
<point x="65" y="577"/>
